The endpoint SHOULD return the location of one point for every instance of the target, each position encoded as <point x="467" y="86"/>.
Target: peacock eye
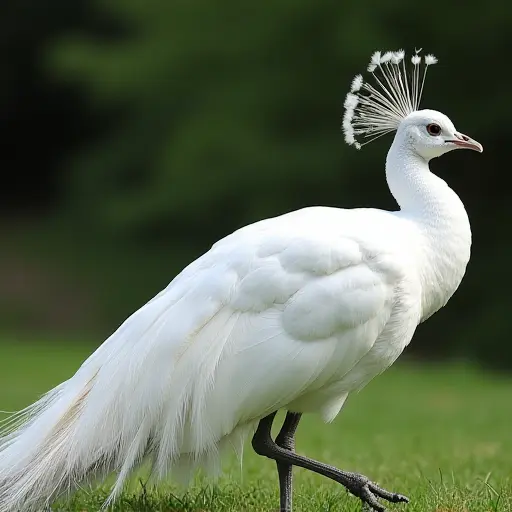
<point x="433" y="129"/>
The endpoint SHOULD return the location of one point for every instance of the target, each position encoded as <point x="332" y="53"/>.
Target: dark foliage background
<point x="136" y="133"/>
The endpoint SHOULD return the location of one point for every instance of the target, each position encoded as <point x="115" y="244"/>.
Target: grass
<point x="439" y="434"/>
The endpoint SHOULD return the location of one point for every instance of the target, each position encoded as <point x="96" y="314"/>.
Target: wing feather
<point x="272" y="316"/>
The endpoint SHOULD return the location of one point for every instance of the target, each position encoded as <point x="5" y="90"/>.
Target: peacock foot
<point x="369" y="492"/>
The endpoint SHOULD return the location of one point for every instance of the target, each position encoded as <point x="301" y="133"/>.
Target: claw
<point x="392" y="497"/>
<point x="368" y="492"/>
<point x="400" y="498"/>
<point x="366" y="495"/>
<point x="370" y="500"/>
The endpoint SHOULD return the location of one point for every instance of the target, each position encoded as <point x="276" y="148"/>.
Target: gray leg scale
<point x="357" y="484"/>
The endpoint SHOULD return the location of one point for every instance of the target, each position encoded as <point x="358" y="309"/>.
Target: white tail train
<point x="141" y="394"/>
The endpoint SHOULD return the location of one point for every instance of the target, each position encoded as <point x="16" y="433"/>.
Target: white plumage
<point x="293" y="312"/>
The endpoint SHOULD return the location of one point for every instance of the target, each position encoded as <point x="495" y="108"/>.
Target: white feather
<point x="430" y="60"/>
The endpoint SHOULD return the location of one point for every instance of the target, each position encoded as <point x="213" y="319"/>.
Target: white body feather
<point x="293" y="312"/>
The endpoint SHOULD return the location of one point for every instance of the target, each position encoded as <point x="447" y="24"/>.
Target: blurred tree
<point x="29" y="103"/>
<point x="229" y="112"/>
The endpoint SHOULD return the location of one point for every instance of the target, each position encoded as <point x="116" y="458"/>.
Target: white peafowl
<point x="294" y="313"/>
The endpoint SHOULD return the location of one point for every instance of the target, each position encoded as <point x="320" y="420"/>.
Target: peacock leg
<point x="357" y="484"/>
<point x="286" y="439"/>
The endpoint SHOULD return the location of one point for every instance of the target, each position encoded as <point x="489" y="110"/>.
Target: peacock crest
<point x="371" y="111"/>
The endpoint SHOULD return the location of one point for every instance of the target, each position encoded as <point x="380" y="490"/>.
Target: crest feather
<point x="374" y="110"/>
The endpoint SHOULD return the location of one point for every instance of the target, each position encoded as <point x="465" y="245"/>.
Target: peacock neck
<point x="421" y="194"/>
<point x="441" y="220"/>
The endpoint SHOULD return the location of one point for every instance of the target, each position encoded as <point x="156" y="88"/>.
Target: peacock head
<point x="431" y="134"/>
<point x="392" y="105"/>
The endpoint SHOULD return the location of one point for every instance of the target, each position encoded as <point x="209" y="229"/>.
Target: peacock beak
<point x="463" y="141"/>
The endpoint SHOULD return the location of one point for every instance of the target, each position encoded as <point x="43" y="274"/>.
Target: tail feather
<point x="135" y="397"/>
<point x="34" y="449"/>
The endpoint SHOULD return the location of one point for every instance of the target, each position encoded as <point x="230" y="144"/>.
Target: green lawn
<point x="441" y="435"/>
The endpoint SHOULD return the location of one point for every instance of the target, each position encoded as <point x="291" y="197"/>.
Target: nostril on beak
<point x="464" y="137"/>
